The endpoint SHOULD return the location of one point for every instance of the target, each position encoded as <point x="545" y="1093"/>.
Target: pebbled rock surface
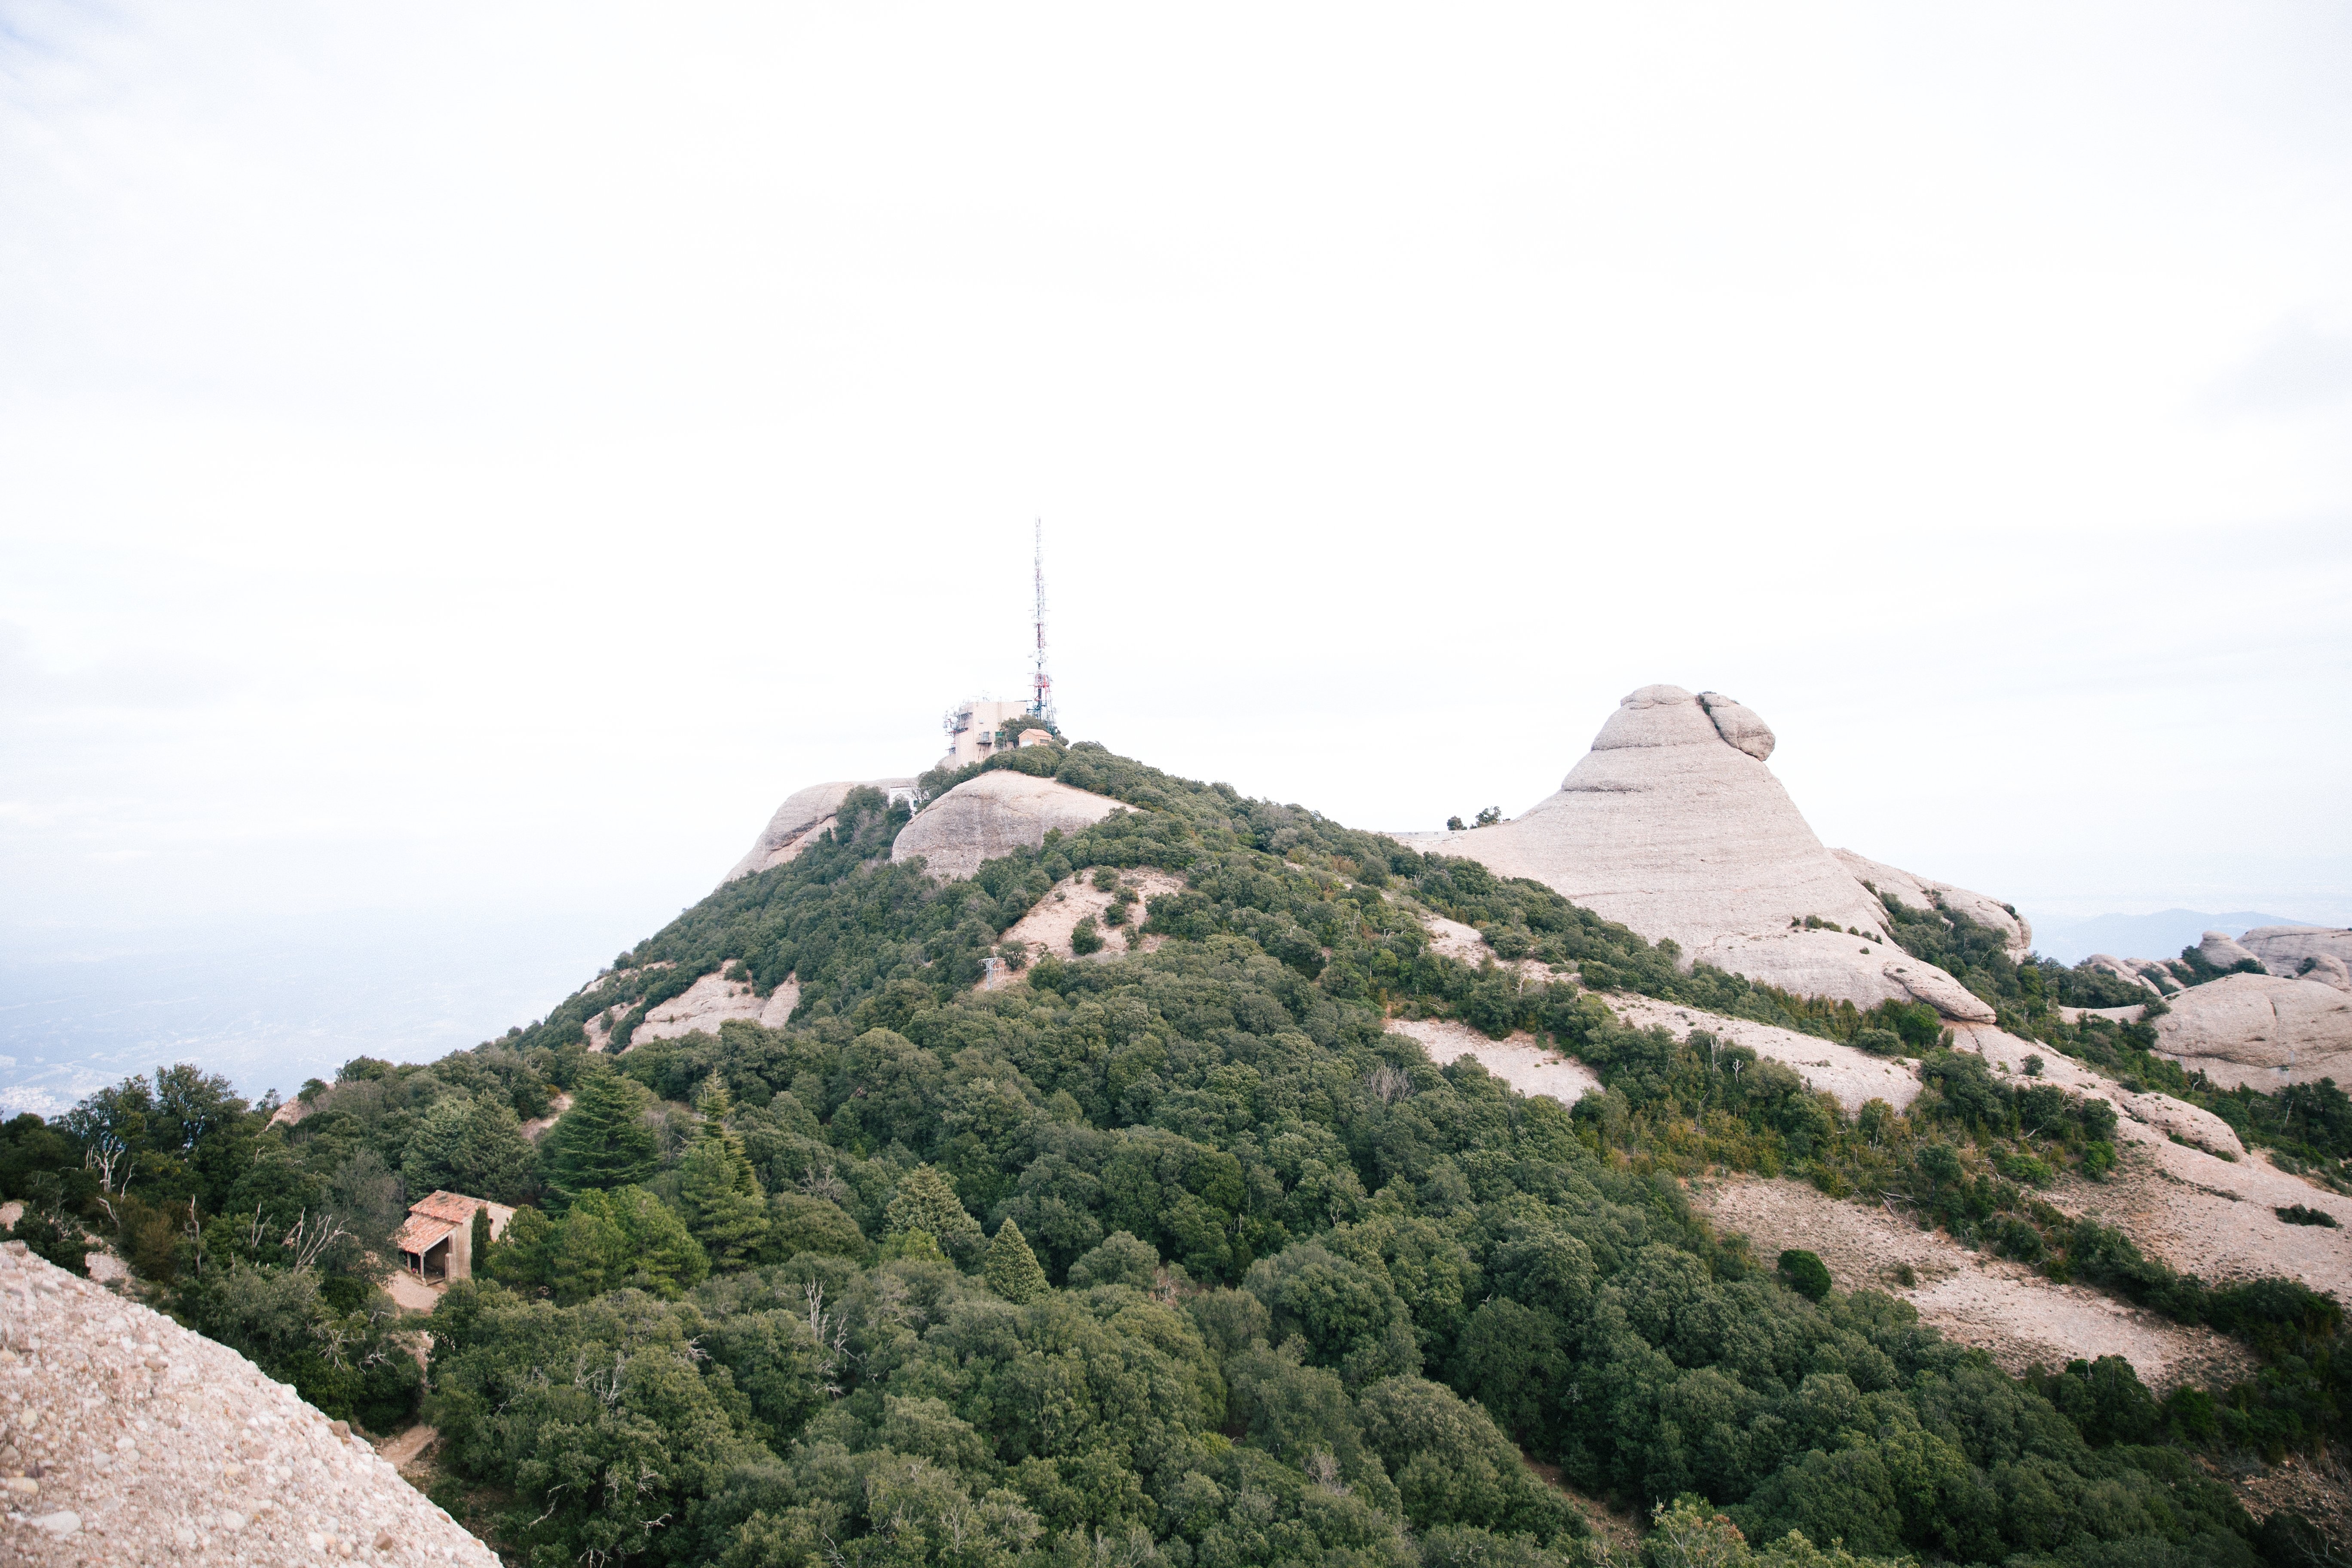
<point x="995" y="814"/>
<point x="1673" y="824"/>
<point x="125" y="1439"/>
<point x="796" y="824"/>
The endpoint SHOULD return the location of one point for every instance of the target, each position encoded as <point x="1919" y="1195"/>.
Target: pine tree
<point x="926" y="1203"/>
<point x="1011" y="1269"/>
<point x="602" y="1141"/>
<point x="718" y="1188"/>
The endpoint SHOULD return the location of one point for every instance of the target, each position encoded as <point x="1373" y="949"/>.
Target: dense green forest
<point x="1178" y="1255"/>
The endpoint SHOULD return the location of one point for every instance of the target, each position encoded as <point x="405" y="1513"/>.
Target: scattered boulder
<point x="795" y="825"/>
<point x="2261" y="1030"/>
<point x="136" y="1440"/>
<point x="2220" y="950"/>
<point x="1739" y="725"/>
<point x="2286" y="950"/>
<point x="1673" y="824"/>
<point x="995" y="814"/>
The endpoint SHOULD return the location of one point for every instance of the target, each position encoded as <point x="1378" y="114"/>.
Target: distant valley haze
<point x="459" y="469"/>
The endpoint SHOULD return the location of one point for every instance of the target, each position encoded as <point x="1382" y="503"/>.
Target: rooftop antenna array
<point x="1041" y="685"/>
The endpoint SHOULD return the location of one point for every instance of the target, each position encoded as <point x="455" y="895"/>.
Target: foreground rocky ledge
<point x="125" y="1439"/>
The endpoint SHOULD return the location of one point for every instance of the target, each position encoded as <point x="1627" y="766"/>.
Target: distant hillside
<point x="2071" y="938"/>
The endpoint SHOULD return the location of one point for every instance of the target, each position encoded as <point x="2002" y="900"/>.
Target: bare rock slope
<point x="995" y="814"/>
<point x="2005" y="1308"/>
<point x="2260" y="1029"/>
<point x="795" y="825"/>
<point x="1673" y="825"/>
<point x="126" y="1438"/>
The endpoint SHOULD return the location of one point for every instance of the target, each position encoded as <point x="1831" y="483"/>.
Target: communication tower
<point x="1041" y="685"/>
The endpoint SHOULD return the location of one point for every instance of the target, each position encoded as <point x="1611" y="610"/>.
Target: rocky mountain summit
<point x="126" y="1438"/>
<point x="1673" y="825"/>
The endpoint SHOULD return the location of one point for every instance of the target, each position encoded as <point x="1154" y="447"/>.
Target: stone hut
<point x="436" y="1244"/>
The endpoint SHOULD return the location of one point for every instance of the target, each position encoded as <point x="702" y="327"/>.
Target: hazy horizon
<point x="464" y="468"/>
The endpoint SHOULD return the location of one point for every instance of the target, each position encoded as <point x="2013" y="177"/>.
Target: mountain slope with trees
<point x="1175" y="1256"/>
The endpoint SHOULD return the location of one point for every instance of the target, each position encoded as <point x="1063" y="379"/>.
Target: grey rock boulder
<point x="995" y="814"/>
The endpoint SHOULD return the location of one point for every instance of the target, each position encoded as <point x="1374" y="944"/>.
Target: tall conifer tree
<point x="717" y="1186"/>
<point x="602" y="1141"/>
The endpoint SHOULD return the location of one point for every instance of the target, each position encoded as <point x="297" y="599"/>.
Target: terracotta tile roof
<point x="455" y="1207"/>
<point x="422" y="1232"/>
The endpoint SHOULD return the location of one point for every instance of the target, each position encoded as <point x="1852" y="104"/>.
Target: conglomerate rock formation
<point x="2308" y="952"/>
<point x="995" y="814"/>
<point x="125" y="1439"/>
<point x="1673" y="825"/>
<point x="796" y="824"/>
<point x="2261" y="1030"/>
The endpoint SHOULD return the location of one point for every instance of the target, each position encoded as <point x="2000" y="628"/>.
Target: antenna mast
<point x="1041" y="685"/>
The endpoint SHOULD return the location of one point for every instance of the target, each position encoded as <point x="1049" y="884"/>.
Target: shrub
<point x="1805" y="1273"/>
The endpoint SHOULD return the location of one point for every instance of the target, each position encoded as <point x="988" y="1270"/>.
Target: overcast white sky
<point x="468" y="463"/>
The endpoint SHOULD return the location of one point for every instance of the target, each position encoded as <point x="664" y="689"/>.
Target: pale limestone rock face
<point x="1674" y="825"/>
<point x="804" y="815"/>
<point x="1925" y="893"/>
<point x="2261" y="1030"/>
<point x="2283" y="949"/>
<point x="2220" y="950"/>
<point x="995" y="814"/>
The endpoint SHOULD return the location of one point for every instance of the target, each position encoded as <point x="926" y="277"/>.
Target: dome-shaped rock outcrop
<point x="1673" y="825"/>
<point x="796" y="824"/>
<point x="2223" y="951"/>
<point x="2260" y="1029"/>
<point x="995" y="814"/>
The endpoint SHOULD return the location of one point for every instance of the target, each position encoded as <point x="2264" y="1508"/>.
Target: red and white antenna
<point x="1041" y="685"/>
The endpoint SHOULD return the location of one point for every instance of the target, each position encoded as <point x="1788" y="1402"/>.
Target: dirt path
<point x="2002" y="1308"/>
<point x="409" y="1293"/>
<point x="538" y="1124"/>
<point x="401" y="1449"/>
